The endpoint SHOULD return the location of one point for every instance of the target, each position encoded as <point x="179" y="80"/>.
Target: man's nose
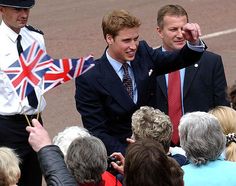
<point x="133" y="45"/>
<point x="24" y="12"/>
<point x="179" y="33"/>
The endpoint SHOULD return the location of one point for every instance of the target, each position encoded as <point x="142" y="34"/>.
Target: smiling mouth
<point x="179" y="42"/>
<point x="131" y="52"/>
<point x="22" y="21"/>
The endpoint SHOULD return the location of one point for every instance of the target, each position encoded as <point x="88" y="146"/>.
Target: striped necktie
<point x="127" y="81"/>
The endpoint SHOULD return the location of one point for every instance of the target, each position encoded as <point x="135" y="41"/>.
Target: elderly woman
<point x="203" y="141"/>
<point x="227" y="119"/>
<point x="87" y="161"/>
<point x="151" y="123"/>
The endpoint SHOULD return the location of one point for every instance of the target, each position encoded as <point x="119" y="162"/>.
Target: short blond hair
<point x="9" y="167"/>
<point x="117" y="20"/>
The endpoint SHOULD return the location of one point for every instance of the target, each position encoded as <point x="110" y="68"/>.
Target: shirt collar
<point x="9" y="32"/>
<point x="163" y="49"/>
<point x="117" y="66"/>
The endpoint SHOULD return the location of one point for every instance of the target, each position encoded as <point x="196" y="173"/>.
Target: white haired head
<point x="63" y="139"/>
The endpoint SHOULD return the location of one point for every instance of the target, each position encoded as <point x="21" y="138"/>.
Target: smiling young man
<point x="123" y="78"/>
<point x="202" y="85"/>
<point x="15" y="37"/>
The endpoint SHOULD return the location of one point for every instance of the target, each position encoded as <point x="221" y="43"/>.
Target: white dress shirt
<point x="10" y="103"/>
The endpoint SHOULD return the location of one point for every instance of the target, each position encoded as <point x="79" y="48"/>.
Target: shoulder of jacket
<point x="31" y="28"/>
<point x="211" y="54"/>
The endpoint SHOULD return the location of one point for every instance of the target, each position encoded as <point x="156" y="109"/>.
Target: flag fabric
<point x="64" y="70"/>
<point x="82" y="65"/>
<point x="27" y="72"/>
<point x="58" y="73"/>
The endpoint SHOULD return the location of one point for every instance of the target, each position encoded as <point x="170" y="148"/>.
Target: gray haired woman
<point x="203" y="141"/>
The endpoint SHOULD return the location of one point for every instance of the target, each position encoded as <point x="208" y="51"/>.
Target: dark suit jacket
<point x="104" y="103"/>
<point x="204" y="85"/>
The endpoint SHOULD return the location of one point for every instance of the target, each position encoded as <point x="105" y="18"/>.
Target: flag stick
<point x="26" y="117"/>
<point x="27" y="120"/>
<point x="40" y="101"/>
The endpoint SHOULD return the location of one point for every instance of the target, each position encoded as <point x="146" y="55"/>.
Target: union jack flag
<point x="82" y="65"/>
<point x="64" y="70"/>
<point x="27" y="72"/>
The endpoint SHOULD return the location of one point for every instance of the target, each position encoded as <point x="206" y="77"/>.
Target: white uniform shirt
<point x="9" y="101"/>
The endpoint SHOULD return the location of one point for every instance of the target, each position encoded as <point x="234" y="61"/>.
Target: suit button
<point x="152" y="93"/>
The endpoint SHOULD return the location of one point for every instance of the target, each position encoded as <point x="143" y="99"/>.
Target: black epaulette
<point x="29" y="27"/>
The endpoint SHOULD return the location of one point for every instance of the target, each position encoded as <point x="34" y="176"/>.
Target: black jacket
<point x="103" y="102"/>
<point x="204" y="85"/>
<point x="54" y="168"/>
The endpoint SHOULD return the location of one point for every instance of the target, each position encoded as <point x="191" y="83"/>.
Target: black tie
<point x="18" y="44"/>
<point x="127" y="81"/>
<point x="32" y="98"/>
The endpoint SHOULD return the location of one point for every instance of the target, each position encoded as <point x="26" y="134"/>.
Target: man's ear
<point x="109" y="39"/>
<point x="159" y="32"/>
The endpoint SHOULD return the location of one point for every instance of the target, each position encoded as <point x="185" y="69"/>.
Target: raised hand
<point x="38" y="136"/>
<point x="192" y="32"/>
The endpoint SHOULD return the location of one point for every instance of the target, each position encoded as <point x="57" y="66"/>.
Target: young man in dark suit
<point x="203" y="84"/>
<point x="123" y="79"/>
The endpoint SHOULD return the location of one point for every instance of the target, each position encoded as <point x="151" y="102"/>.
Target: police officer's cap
<point x="17" y="3"/>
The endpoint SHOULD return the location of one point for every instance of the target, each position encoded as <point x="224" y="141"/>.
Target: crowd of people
<point x="151" y="116"/>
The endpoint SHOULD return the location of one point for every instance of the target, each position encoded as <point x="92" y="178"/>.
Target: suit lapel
<point x="190" y="73"/>
<point x="112" y="83"/>
<point x="141" y="78"/>
<point x="161" y="82"/>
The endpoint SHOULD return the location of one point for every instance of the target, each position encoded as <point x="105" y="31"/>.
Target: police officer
<point x="16" y="36"/>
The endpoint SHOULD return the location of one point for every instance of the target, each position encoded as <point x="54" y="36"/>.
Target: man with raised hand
<point x="123" y="79"/>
